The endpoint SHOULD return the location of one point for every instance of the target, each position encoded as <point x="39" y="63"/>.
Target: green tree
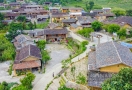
<point x="20" y="87"/>
<point x="97" y="25"/>
<point x="91" y="4"/>
<point x="122" y="32"/>
<point x="1" y="17"/>
<point x="113" y="28"/>
<point x="119" y="12"/>
<point x="21" y="18"/>
<point x="129" y="12"/>
<point x="27" y="80"/>
<point x="14" y="30"/>
<point x="119" y="81"/>
<point x="30" y="25"/>
<point x="35" y="25"/>
<point x="41" y="44"/>
<point x="45" y="56"/>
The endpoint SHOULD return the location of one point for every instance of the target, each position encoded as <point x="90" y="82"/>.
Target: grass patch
<point x="43" y="25"/>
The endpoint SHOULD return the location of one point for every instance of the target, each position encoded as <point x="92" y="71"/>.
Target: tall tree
<point x="113" y="28"/>
<point x="96" y="25"/>
<point x="129" y="12"/>
<point x="30" y="25"/>
<point x="91" y="4"/>
<point x="120" y="81"/>
<point x="21" y="18"/>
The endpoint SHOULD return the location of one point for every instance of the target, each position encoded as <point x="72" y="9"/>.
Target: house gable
<point x="30" y="58"/>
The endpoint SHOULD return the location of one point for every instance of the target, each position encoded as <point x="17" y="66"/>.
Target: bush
<point x="85" y="32"/>
<point x="113" y="28"/>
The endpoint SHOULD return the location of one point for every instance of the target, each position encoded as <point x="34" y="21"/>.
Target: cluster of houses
<point x="103" y="61"/>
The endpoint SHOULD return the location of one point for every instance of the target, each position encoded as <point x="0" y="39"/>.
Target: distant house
<point x="58" y="17"/>
<point x="48" y="3"/>
<point x="27" y="58"/>
<point x="107" y="59"/>
<point x="32" y="7"/>
<point x="123" y="21"/>
<point x="54" y="9"/>
<point x="65" y="9"/>
<point x="55" y="35"/>
<point x="85" y="21"/>
<point x="11" y="16"/>
<point x="75" y="27"/>
<point x="68" y="22"/>
<point x="74" y="12"/>
<point x="22" y="41"/>
<point x="101" y="14"/>
<point x="15" y="5"/>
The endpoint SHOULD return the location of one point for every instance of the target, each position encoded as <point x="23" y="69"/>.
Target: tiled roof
<point x="125" y="19"/>
<point x="55" y="31"/>
<point x="69" y="20"/>
<point x="112" y="53"/>
<point x="27" y="64"/>
<point x="96" y="78"/>
<point x="85" y="19"/>
<point x="106" y="14"/>
<point x="74" y="25"/>
<point x="60" y="15"/>
<point x="29" y="50"/>
<point x="53" y="25"/>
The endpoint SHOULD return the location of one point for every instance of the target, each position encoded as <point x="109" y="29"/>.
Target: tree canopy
<point x="120" y="81"/>
<point x="112" y="28"/>
<point x="21" y="18"/>
<point x="96" y="25"/>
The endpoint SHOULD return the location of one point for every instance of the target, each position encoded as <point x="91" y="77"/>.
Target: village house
<point x="105" y="60"/>
<point x="75" y="27"/>
<point x="101" y="14"/>
<point x="48" y="3"/>
<point x="85" y="21"/>
<point x="11" y="16"/>
<point x="22" y="41"/>
<point x="37" y="34"/>
<point x="123" y="21"/>
<point x="58" y="17"/>
<point x="15" y="5"/>
<point x="68" y="22"/>
<point x="27" y="59"/>
<point x="54" y="9"/>
<point x="65" y="9"/>
<point x="32" y="7"/>
<point x="55" y="35"/>
<point x="74" y="12"/>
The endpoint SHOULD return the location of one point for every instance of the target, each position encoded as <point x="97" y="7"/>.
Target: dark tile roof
<point x="29" y="50"/>
<point x="85" y="19"/>
<point x="55" y="31"/>
<point x="125" y="19"/>
<point x="72" y="20"/>
<point x="74" y="25"/>
<point x="112" y="53"/>
<point x="60" y="15"/>
<point x="106" y="14"/>
<point x="96" y="78"/>
<point x="11" y="14"/>
<point x="97" y="10"/>
<point x="53" y="25"/>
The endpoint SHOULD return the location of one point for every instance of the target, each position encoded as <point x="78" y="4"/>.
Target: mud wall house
<point x="11" y="16"/>
<point x="65" y="9"/>
<point x="58" y="17"/>
<point x="14" y="5"/>
<point x="55" y="35"/>
<point x="68" y="22"/>
<point x="22" y="41"/>
<point x="75" y="27"/>
<point x="27" y="58"/>
<point x="54" y="9"/>
<point x="74" y="12"/>
<point x="106" y="60"/>
<point x="85" y="21"/>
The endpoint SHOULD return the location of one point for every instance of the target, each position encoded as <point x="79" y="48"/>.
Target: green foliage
<point x="64" y="88"/>
<point x="83" y="45"/>
<point x="120" y="81"/>
<point x="81" y="79"/>
<point x="20" y="87"/>
<point x="43" y="25"/>
<point x="129" y="12"/>
<point x="48" y="85"/>
<point x="7" y="50"/>
<point x="122" y="32"/>
<point x="27" y="80"/>
<point x="119" y="12"/>
<point x="97" y="25"/>
<point x="85" y="32"/>
<point x="21" y="18"/>
<point x="6" y="86"/>
<point x="10" y="68"/>
<point x="14" y="30"/>
<point x="1" y="17"/>
<point x="113" y="28"/>
<point x="41" y="44"/>
<point x="45" y="56"/>
<point x="30" y="25"/>
<point x="91" y="4"/>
